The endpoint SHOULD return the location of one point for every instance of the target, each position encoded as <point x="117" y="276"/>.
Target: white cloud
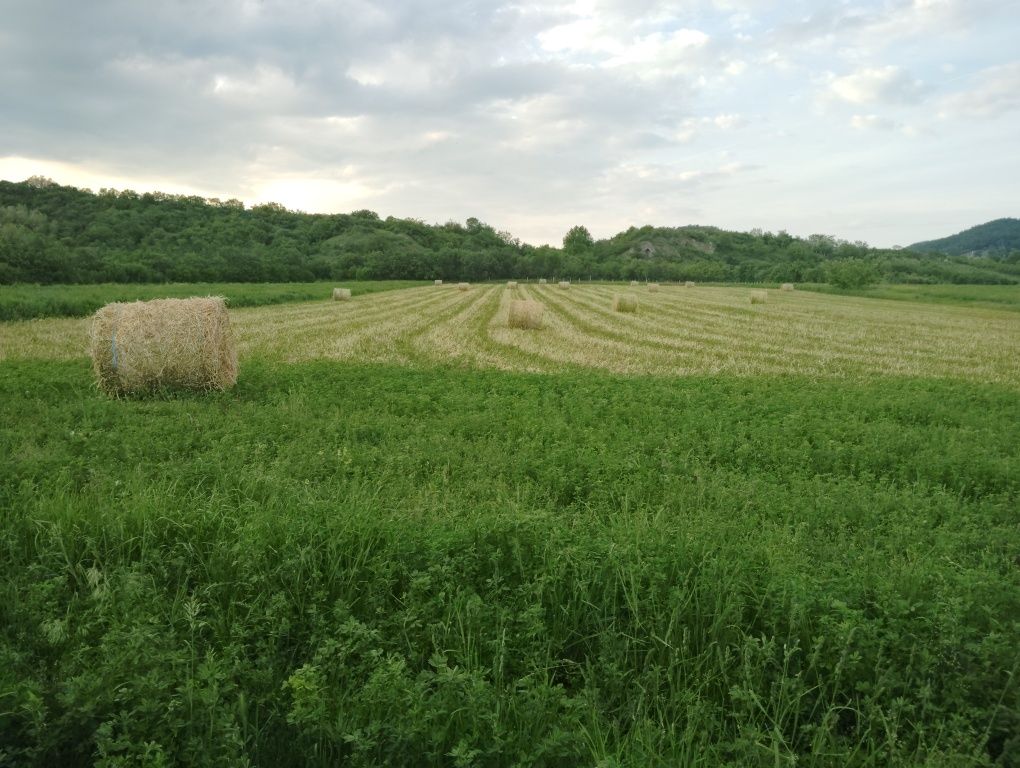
<point x="995" y="91"/>
<point x="693" y="127"/>
<point x="889" y="84"/>
<point x="736" y="67"/>
<point x="870" y="122"/>
<point x="880" y="123"/>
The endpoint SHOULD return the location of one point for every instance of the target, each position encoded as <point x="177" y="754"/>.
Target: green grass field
<point x="707" y="534"/>
<point x="26" y="302"/>
<point x="986" y="296"/>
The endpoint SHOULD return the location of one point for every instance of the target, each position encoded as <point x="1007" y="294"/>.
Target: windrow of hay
<point x="653" y="287"/>
<point x="525" y="314"/>
<point x="511" y="283"/>
<point x="542" y="281"/>
<point x="689" y="284"/>
<point x="786" y="287"/>
<point x="564" y="283"/>
<point x="624" y="303"/>
<point x="759" y="297"/>
<point x="341" y="294"/>
<point x="463" y="286"/>
<point x="438" y="282"/>
<point x="173" y="343"/>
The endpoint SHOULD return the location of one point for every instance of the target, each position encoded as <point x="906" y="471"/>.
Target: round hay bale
<point x="525" y="314"/>
<point x="511" y="283"/>
<point x="786" y="287"/>
<point x="542" y="281"/>
<point x="759" y="297"/>
<point x="463" y="286"/>
<point x="625" y="302"/>
<point x="653" y="287"/>
<point x="633" y="283"/>
<point x="341" y="294"/>
<point x="564" y="284"/>
<point x="689" y="284"/>
<point x="165" y="343"/>
<point x="438" y="282"/>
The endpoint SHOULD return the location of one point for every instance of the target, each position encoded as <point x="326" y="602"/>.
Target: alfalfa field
<point x="704" y="532"/>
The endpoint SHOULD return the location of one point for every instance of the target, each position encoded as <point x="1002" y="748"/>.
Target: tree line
<point x="59" y="234"/>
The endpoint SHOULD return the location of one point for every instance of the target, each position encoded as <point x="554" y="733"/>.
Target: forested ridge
<point x="59" y="234"/>
<point x="1001" y="236"/>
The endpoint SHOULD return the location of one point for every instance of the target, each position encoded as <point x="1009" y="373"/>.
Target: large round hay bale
<point x="759" y="297"/>
<point x="633" y="283"/>
<point x="164" y="343"/>
<point x="564" y="284"/>
<point x="341" y="294"/>
<point x="786" y="287"/>
<point x="542" y="281"/>
<point x="653" y="287"/>
<point x="511" y="283"/>
<point x="525" y="314"/>
<point x="439" y="282"/>
<point x="688" y="284"/>
<point x="624" y="302"/>
<point x="463" y="286"/>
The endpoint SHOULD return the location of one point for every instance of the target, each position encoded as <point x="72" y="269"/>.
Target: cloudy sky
<point x="889" y="121"/>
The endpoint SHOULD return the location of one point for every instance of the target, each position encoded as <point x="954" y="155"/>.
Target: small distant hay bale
<point x="438" y="282"/>
<point x="511" y="283"/>
<point x="759" y="297"/>
<point x="463" y="286"/>
<point x="525" y="314"/>
<point x="689" y="284"/>
<point x="786" y="287"/>
<point x="633" y="283"/>
<point x="564" y="284"/>
<point x="625" y="303"/>
<point x="653" y="287"/>
<point x="542" y="281"/>
<point x="341" y="294"/>
<point x="164" y="343"/>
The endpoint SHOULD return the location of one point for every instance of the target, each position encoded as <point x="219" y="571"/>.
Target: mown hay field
<point x="708" y="533"/>
<point x="679" y="332"/>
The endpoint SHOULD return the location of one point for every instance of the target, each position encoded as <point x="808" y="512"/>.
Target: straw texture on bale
<point x="564" y="283"/>
<point x="439" y="282"/>
<point x="653" y="287"/>
<point x="164" y="343"/>
<point x="463" y="286"/>
<point x="786" y="287"/>
<point x="511" y="284"/>
<point x="341" y="294"/>
<point x="689" y="284"/>
<point x="759" y="297"/>
<point x="624" y="303"/>
<point x="542" y="281"/>
<point x="525" y="314"/>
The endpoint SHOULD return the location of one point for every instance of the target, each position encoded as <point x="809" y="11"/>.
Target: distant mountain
<point x="994" y="237"/>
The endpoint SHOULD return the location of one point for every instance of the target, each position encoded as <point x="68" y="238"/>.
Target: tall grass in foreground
<point x="378" y="566"/>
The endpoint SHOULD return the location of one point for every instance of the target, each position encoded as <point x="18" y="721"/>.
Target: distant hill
<point x="994" y="237"/>
<point x="57" y="234"/>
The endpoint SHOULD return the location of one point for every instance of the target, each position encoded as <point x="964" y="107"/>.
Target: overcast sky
<point x="888" y="121"/>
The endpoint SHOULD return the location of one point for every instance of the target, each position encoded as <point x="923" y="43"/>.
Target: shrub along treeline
<point x="55" y="234"/>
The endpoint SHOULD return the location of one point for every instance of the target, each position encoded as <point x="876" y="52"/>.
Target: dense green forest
<point x="997" y="237"/>
<point x="57" y="234"/>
